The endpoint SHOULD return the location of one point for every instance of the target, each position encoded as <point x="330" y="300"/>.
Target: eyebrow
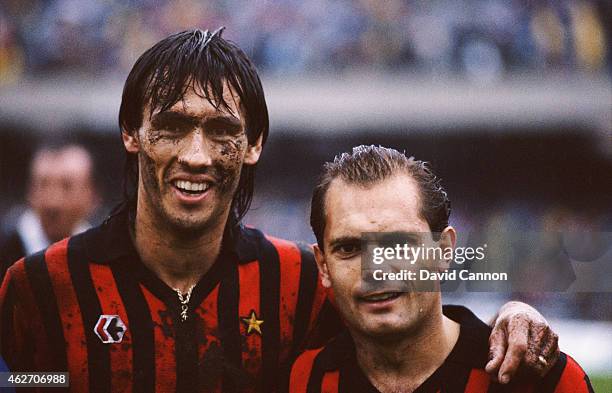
<point x="344" y="240"/>
<point x="162" y="119"/>
<point x="400" y="235"/>
<point x="224" y="120"/>
<point x="393" y="236"/>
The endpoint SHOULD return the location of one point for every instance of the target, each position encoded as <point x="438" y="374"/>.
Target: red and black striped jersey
<point x="334" y="368"/>
<point x="87" y="305"/>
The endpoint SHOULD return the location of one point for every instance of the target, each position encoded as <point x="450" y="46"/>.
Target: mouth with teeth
<point x="380" y="297"/>
<point x="191" y="188"/>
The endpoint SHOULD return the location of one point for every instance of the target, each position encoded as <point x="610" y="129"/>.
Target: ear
<point x="322" y="265"/>
<point x="254" y="151"/>
<point x="448" y="239"/>
<point x="130" y="141"/>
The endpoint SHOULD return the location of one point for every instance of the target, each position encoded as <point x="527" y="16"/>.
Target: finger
<point x="497" y="350"/>
<point x="542" y="351"/>
<point x="535" y="362"/>
<point x="550" y="352"/>
<point x="518" y="334"/>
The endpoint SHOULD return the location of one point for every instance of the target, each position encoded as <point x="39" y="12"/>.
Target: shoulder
<point x="566" y="376"/>
<point x="253" y="244"/>
<point x="290" y="263"/>
<point x="256" y="238"/>
<point x="329" y="358"/>
<point x="43" y="265"/>
<point x="54" y="262"/>
<point x="319" y="369"/>
<point x="471" y="351"/>
<point x="11" y="249"/>
<point x="310" y="368"/>
<point x="10" y="240"/>
<point x="472" y="347"/>
<point x="301" y="369"/>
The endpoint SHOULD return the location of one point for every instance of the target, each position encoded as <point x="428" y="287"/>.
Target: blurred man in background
<point x="61" y="196"/>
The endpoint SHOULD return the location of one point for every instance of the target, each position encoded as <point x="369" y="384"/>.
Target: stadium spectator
<point x="61" y="197"/>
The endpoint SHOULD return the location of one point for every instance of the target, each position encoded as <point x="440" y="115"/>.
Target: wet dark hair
<point x="368" y="165"/>
<point x="194" y="58"/>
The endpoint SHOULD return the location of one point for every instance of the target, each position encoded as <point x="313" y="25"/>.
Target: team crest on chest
<point x="252" y="323"/>
<point x="110" y="329"/>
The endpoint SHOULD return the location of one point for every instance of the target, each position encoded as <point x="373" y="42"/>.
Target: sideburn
<point x="149" y="181"/>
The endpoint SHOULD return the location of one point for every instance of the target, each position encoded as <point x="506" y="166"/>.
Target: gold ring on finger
<point x="542" y="361"/>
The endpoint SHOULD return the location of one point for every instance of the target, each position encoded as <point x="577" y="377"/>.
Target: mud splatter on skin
<point x="154" y="136"/>
<point x="149" y="180"/>
<point x="230" y="162"/>
<point x="231" y="149"/>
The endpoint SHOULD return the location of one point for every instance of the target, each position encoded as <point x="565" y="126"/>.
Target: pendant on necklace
<point x="184" y="300"/>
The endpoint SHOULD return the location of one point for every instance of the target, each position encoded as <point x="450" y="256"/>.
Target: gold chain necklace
<point x="184" y="300"/>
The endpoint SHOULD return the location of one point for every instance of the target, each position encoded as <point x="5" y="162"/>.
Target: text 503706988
<point x="34" y="379"/>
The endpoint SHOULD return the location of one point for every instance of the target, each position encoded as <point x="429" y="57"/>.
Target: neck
<point x="177" y="258"/>
<point x="401" y="365"/>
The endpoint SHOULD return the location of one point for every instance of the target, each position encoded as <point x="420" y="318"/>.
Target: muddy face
<point x="190" y="160"/>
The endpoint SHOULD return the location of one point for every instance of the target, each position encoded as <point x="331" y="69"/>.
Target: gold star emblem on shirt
<point x="252" y="323"/>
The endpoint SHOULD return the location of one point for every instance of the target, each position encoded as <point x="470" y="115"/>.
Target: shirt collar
<point x="33" y="235"/>
<point x="31" y="232"/>
<point x="473" y="334"/>
<point x="112" y="240"/>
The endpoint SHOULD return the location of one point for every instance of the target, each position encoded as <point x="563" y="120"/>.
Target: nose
<point x="53" y="196"/>
<point x="196" y="151"/>
<point x="51" y="204"/>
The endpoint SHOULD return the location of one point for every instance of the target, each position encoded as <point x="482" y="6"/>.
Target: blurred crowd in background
<point x="481" y="39"/>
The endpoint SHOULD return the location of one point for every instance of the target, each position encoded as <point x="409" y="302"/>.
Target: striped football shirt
<point x="87" y="305"/>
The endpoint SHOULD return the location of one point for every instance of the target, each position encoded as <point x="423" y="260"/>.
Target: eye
<point x="347" y="250"/>
<point x="176" y="128"/>
<point x="172" y="129"/>
<point x="222" y="130"/>
<point x="218" y="131"/>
